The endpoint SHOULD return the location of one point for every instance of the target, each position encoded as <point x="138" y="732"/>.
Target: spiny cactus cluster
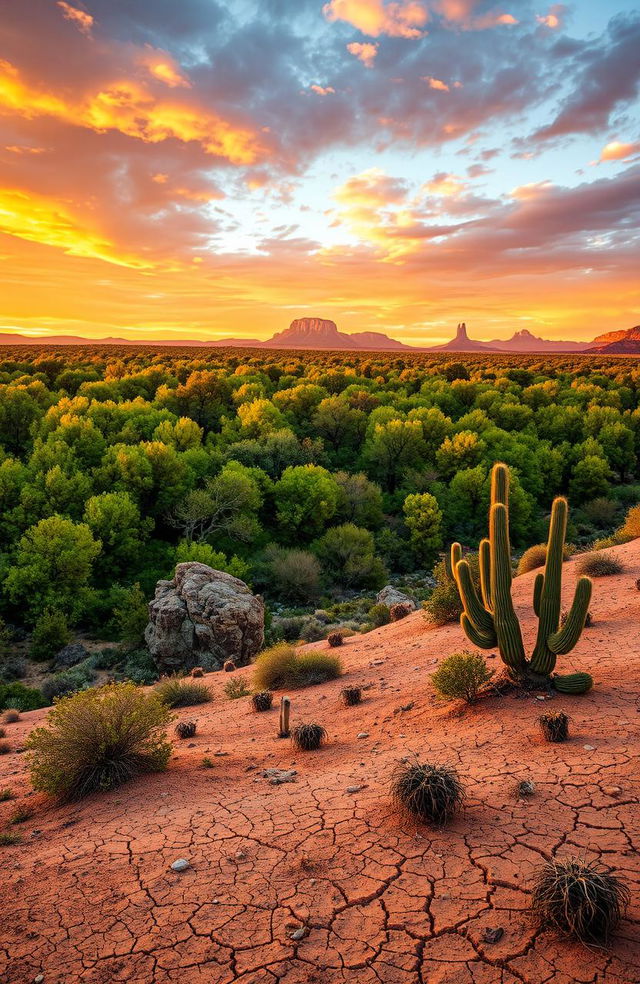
<point x="186" y="729"/>
<point x="492" y="621"/>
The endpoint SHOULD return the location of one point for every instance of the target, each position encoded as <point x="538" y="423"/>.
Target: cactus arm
<point x="474" y="610"/>
<point x="573" y="683"/>
<point x="452" y="561"/>
<point x="482" y="640"/>
<point x="505" y="619"/>
<point x="538" y="588"/>
<point x="500" y="484"/>
<point x="565" y="639"/>
<point x="544" y="659"/>
<point x="484" y="558"/>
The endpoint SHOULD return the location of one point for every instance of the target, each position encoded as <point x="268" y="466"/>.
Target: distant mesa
<point x="323" y="334"/>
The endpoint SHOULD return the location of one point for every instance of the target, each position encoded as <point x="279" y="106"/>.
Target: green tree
<point x="423" y="517"/>
<point x="227" y="504"/>
<point x="52" y="568"/>
<point x="394" y="447"/>
<point x="463" y="450"/>
<point x="590" y="479"/>
<point x="347" y="554"/>
<point x="114" y="518"/>
<point x="306" y="498"/>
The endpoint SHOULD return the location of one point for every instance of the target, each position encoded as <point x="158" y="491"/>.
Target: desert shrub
<point x="312" y="630"/>
<point x="11" y="715"/>
<point x="262" y="701"/>
<point x="554" y="725"/>
<point x="379" y="615"/>
<point x="20" y="815"/>
<point x="599" y="564"/>
<point x="282" y="667"/>
<point x="431" y="793"/>
<point x="8" y="838"/>
<point x="5" y="747"/>
<point x="288" y="628"/>
<point x="461" y="675"/>
<point x="536" y="556"/>
<point x="18" y="697"/>
<point x="97" y="739"/>
<point x="335" y="639"/>
<point x="630" y="529"/>
<point x="13" y="668"/>
<point x="140" y="667"/>
<point x="308" y="737"/>
<point x="236" y="688"/>
<point x="50" y="633"/>
<point x="579" y="899"/>
<point x="400" y="610"/>
<point x="186" y="729"/>
<point x="6" y="795"/>
<point x="66" y="682"/>
<point x="294" y="574"/>
<point x="179" y="691"/>
<point x="351" y="696"/>
<point x="443" y="604"/>
<point x="601" y="512"/>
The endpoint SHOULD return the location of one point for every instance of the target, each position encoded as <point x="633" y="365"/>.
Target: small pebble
<point x="39" y="979"/>
<point x="298" y="934"/>
<point x="354" y="789"/>
<point x="611" y="790"/>
<point x="363" y="734"/>
<point x="589" y="748"/>
<point x="180" y="865"/>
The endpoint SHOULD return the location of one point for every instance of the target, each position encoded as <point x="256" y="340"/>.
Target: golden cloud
<point x="364" y="51"/>
<point x="131" y="109"/>
<point x="404" y="19"/>
<point x="617" y="151"/>
<point x="82" y="20"/>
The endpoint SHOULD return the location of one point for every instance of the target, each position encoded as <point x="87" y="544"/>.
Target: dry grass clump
<point x="6" y="794"/>
<point x="580" y="899"/>
<point x="8" y="838"/>
<point x="236" y="688"/>
<point x="599" y="564"/>
<point x="351" y="696"/>
<point x="10" y="716"/>
<point x="536" y="556"/>
<point x="461" y="676"/>
<point x="281" y="667"/>
<point x="308" y="737"/>
<point x="554" y="725"/>
<point x="178" y="691"/>
<point x="5" y="747"/>
<point x="262" y="701"/>
<point x="97" y="739"/>
<point x="400" y="610"/>
<point x="431" y="793"/>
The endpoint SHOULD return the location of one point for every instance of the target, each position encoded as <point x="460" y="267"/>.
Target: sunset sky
<point x="198" y="169"/>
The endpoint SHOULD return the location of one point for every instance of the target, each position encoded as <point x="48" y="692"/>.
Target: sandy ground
<point x="318" y="880"/>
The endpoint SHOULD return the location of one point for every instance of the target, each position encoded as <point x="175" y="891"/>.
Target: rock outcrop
<point x="391" y="596"/>
<point x="203" y="613"/>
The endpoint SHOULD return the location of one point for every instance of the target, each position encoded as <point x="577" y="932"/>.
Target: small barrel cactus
<point x="351" y="696"/>
<point x="335" y="639"/>
<point x="262" y="701"/>
<point x="400" y="610"/>
<point x="186" y="729"/>
<point x="308" y="737"/>
<point x="197" y="671"/>
<point x="554" y="725"/>
<point x="228" y="666"/>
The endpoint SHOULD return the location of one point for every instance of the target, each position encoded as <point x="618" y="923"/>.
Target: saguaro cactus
<point x="492" y="620"/>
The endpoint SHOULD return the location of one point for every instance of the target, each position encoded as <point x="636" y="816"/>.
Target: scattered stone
<point x="39" y="979"/>
<point x="540" y="697"/>
<point x="589" y="748"/>
<point x="220" y="754"/>
<point x="611" y="790"/>
<point x="278" y="776"/>
<point x="180" y="865"/>
<point x="299" y="934"/>
<point x="363" y="734"/>
<point x="377" y="662"/>
<point x="525" y="788"/>
<point x="354" y="789"/>
<point x="493" y="935"/>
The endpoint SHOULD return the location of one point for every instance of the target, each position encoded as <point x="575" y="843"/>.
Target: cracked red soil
<point x="89" y="895"/>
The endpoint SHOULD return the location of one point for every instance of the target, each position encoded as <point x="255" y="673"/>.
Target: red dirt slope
<point x="317" y="880"/>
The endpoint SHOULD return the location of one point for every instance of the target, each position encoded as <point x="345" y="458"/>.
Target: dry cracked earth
<point x="318" y="880"/>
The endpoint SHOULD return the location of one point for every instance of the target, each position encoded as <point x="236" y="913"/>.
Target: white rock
<point x="180" y="865"/>
<point x="363" y="734"/>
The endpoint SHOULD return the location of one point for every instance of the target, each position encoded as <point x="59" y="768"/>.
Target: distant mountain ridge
<point x="323" y="334"/>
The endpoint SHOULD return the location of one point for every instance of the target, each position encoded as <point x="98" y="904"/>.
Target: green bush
<point x="51" y="632"/>
<point x="140" y="667"/>
<point x="461" y="675"/>
<point x="131" y="617"/>
<point x="67" y="682"/>
<point x="178" y="691"/>
<point x="443" y="604"/>
<point x="599" y="564"/>
<point x="98" y="739"/>
<point x="236" y="688"/>
<point x="281" y="667"/>
<point x="379" y="615"/>
<point x="16" y="695"/>
<point x="536" y="556"/>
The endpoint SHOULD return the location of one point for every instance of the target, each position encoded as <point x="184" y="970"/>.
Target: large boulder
<point x="391" y="596"/>
<point x="203" y="612"/>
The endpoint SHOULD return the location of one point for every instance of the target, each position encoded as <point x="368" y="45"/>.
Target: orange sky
<point x="216" y="175"/>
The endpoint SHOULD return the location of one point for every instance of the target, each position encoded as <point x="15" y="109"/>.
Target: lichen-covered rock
<point x="203" y="611"/>
<point x="391" y="596"/>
